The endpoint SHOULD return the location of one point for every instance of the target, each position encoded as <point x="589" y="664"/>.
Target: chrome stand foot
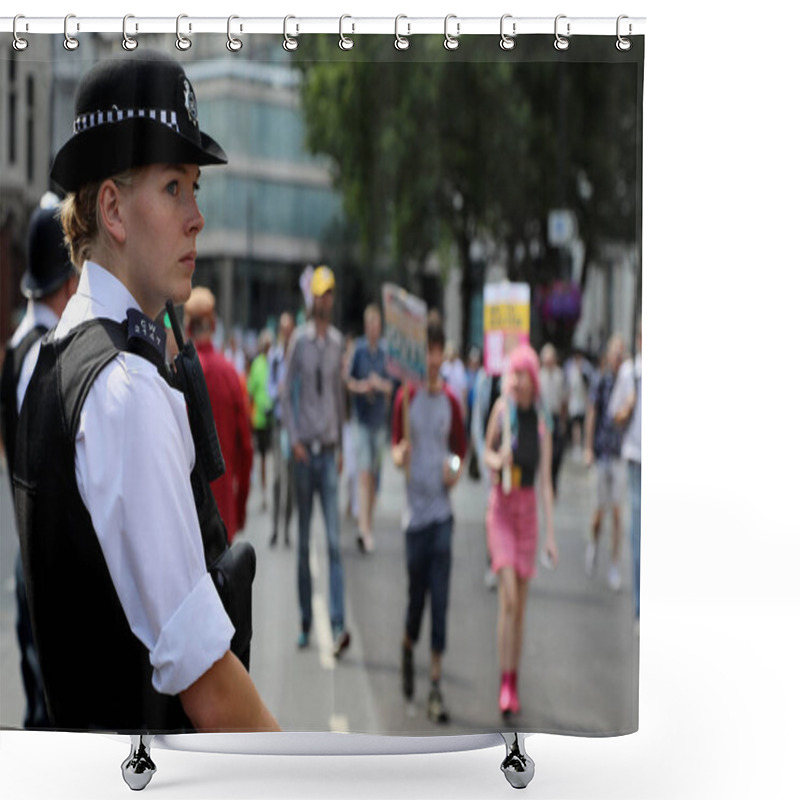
<point x="138" y="768"/>
<point x="518" y="766"/>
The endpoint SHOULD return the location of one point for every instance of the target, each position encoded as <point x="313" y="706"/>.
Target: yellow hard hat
<point x="322" y="281"/>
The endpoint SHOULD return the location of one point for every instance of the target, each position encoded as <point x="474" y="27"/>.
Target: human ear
<point x="111" y="212"/>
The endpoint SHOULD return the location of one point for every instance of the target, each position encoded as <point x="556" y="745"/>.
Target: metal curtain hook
<point x="401" y="42"/>
<point x="181" y="41"/>
<point x="450" y="41"/>
<point x="233" y="44"/>
<point x="19" y="43"/>
<point x="128" y="42"/>
<point x="561" y="42"/>
<point x="623" y="44"/>
<point x="70" y="42"/>
<point x="507" y="42"/>
<point x="289" y="44"/>
<point x="345" y="42"/>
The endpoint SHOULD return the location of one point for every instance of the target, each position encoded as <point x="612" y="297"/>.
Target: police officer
<point x="131" y="632"/>
<point x="48" y="283"/>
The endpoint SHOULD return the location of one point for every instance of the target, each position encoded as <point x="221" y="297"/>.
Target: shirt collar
<point x="99" y="294"/>
<point x="106" y="291"/>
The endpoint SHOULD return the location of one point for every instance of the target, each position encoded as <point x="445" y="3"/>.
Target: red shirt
<point x="235" y="437"/>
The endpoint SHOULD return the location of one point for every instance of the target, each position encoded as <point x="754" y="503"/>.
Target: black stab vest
<point x="96" y="673"/>
<point x="9" y="381"/>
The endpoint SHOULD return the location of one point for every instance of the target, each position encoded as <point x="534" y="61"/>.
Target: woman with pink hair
<point x="518" y="442"/>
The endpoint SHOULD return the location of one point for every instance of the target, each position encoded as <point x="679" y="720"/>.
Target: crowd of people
<point x="111" y="474"/>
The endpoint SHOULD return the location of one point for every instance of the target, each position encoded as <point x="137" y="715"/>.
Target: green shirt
<point x="257" y="383"/>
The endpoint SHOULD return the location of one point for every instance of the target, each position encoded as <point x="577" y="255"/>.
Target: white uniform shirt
<point x="133" y="456"/>
<point x="36" y="314"/>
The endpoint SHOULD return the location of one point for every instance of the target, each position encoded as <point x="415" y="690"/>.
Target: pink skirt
<point x="512" y="530"/>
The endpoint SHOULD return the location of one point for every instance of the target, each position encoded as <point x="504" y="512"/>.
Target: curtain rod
<point x="453" y="26"/>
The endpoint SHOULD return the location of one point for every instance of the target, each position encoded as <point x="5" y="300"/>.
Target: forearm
<point x="358" y="385"/>
<point x="225" y="699"/>
<point x="398" y="454"/>
<point x="492" y="459"/>
<point x="547" y="503"/>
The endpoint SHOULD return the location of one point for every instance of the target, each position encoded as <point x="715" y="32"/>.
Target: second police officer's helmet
<point x="132" y="111"/>
<point x="49" y="263"/>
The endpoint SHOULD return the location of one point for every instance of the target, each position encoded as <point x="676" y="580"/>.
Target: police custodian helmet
<point x="49" y="264"/>
<point x="131" y="111"/>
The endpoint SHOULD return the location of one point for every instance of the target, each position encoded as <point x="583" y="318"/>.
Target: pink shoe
<point x="514" y="696"/>
<point x="505" y="699"/>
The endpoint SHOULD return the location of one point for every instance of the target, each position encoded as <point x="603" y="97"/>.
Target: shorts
<point x="263" y="440"/>
<point x="610" y="482"/>
<point x="512" y="530"/>
<point x="369" y="447"/>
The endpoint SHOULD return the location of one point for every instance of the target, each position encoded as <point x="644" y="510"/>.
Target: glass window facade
<point x="231" y="202"/>
<point x="261" y="130"/>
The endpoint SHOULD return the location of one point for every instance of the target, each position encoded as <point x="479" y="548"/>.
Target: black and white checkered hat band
<point x="96" y="118"/>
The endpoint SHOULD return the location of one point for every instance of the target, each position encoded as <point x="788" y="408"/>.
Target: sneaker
<point x="614" y="578"/>
<point x="341" y="642"/>
<point x="504" y="701"/>
<point x="303" y="640"/>
<point x="437" y="712"/>
<point x="408" y="672"/>
<point x="514" y="695"/>
<point x="591" y="558"/>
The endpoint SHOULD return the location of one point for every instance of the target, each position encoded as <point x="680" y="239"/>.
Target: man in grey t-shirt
<point x="435" y="435"/>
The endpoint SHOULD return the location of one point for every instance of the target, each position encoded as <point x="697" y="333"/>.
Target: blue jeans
<point x="635" y="497"/>
<point x="319" y="475"/>
<point x="428" y="559"/>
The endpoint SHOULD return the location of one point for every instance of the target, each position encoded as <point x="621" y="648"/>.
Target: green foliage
<point x="431" y="146"/>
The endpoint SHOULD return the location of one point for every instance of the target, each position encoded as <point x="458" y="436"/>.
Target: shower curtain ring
<point x="401" y="42"/>
<point x="345" y="42"/>
<point x="623" y="44"/>
<point x="181" y="41"/>
<point x="128" y="42"/>
<point x="561" y="42"/>
<point x="507" y="42"/>
<point x="19" y="43"/>
<point x="70" y="42"/>
<point x="289" y="43"/>
<point x="233" y="44"/>
<point x="451" y="42"/>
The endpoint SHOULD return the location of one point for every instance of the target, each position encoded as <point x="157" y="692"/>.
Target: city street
<point x="580" y="660"/>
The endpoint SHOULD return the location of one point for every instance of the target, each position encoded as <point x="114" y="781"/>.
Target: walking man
<point x="230" y="411"/>
<point x="603" y="449"/>
<point x="433" y="451"/>
<point x="312" y="403"/>
<point x="369" y="383"/>
<point x="282" y="465"/>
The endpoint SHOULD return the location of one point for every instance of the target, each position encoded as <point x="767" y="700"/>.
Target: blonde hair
<point x="80" y="217"/>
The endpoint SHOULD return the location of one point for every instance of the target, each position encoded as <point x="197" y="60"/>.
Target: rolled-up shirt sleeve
<point x="133" y="458"/>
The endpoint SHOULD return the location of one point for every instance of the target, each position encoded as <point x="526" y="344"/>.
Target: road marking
<point x="321" y="614"/>
<point x="339" y="723"/>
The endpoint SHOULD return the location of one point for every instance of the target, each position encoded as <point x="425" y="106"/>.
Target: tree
<point x="435" y="150"/>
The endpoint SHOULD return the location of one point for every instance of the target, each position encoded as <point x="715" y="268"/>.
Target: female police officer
<point x="131" y="632"/>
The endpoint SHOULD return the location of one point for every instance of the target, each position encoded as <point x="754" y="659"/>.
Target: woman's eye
<point x="172" y="188"/>
<point x="196" y="188"/>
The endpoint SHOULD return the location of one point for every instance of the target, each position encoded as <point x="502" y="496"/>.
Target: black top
<point x="526" y="445"/>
